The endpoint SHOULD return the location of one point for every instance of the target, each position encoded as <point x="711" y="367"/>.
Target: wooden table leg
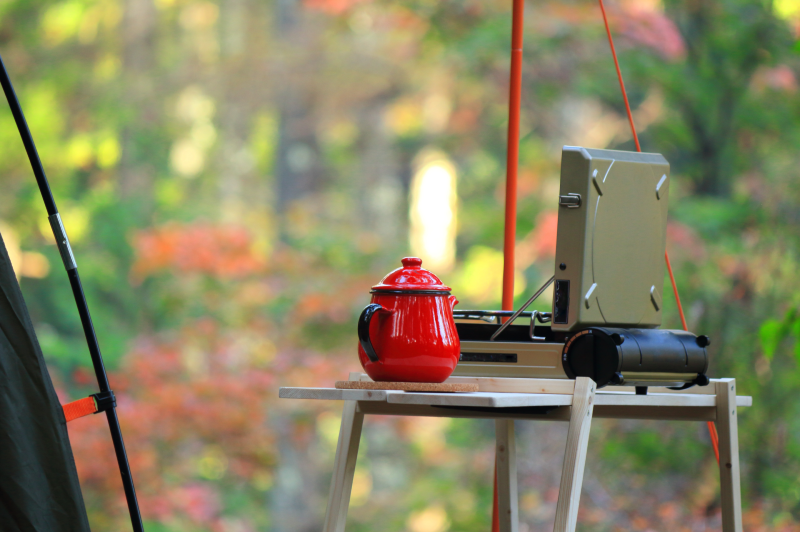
<point x="727" y="428"/>
<point x="580" y="422"/>
<point x="506" y="455"/>
<point x="344" y="467"/>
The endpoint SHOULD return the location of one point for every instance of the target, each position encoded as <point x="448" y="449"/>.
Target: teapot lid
<point x="411" y="278"/>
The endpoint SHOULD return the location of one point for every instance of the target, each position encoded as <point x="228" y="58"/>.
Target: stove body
<point x="607" y="293"/>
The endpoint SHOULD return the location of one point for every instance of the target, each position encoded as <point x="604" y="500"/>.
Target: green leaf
<point x="772" y="332"/>
<point x="796" y="335"/>
<point x="770" y="335"/>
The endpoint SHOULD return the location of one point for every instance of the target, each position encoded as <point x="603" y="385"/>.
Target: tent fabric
<point x="39" y="488"/>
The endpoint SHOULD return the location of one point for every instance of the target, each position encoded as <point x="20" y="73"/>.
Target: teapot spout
<point x="453" y="302"/>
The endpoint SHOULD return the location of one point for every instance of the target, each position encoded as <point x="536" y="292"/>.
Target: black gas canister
<point x="637" y="357"/>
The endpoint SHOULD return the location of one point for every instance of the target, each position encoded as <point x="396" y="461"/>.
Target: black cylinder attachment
<point x="637" y="357"/>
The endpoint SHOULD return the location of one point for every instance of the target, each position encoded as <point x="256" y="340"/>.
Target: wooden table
<point x="508" y="399"/>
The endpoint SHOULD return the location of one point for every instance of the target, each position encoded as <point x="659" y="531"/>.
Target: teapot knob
<point x="412" y="262"/>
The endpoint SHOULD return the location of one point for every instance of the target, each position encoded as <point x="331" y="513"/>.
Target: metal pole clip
<point x="62" y="241"/>
<point x="104" y="401"/>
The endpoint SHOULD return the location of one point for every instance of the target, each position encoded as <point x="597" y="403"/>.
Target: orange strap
<point x="712" y="429"/>
<point x="79" y="408"/>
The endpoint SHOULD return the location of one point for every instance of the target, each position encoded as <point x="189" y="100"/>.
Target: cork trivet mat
<point x="408" y="386"/>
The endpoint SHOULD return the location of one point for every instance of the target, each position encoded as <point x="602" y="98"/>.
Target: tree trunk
<point x="298" y="170"/>
<point x="138" y="36"/>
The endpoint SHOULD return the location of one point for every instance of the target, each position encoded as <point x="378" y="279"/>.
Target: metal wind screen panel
<point x="611" y="239"/>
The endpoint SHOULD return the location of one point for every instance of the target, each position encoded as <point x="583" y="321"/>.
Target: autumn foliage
<point x="198" y="405"/>
<point x="223" y="252"/>
<point x="235" y="176"/>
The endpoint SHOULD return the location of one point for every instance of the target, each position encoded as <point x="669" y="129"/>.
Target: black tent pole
<point x="80" y="300"/>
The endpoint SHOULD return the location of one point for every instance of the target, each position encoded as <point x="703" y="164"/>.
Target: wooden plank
<point x="344" y="467"/>
<point x="314" y="393"/>
<point x="727" y="428"/>
<point x="744" y="401"/>
<point x="567" y="386"/>
<point x="664" y="400"/>
<point x="479" y="399"/>
<point x="407" y="386"/>
<point x="708" y="389"/>
<point x="699" y="414"/>
<point x="506" y="457"/>
<point x="603" y="399"/>
<point x="640" y="412"/>
<point x="308" y="393"/>
<point x="394" y="409"/>
<point x="529" y="385"/>
<point x="580" y="422"/>
<point x="526" y="385"/>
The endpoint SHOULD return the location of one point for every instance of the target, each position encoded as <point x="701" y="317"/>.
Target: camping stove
<point x="609" y="276"/>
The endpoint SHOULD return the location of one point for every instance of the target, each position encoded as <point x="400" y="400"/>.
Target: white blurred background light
<point x="433" y="211"/>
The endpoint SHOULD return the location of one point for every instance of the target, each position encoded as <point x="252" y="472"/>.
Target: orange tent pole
<point x="512" y="154"/>
<point x="512" y="164"/>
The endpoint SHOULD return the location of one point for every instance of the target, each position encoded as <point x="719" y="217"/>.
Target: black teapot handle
<point x="363" y="330"/>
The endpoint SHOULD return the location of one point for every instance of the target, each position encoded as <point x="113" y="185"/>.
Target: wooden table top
<point x="507" y="399"/>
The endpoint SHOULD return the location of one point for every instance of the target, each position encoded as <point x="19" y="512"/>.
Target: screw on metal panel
<point x="655" y="298"/>
<point x="562" y="266"/>
<point x="589" y="295"/>
<point x="596" y="184"/>
<point x="658" y="187"/>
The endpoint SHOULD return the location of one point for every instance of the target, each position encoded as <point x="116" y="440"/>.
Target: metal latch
<point x="570" y="201"/>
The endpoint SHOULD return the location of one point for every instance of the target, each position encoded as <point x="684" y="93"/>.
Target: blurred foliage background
<point x="235" y="175"/>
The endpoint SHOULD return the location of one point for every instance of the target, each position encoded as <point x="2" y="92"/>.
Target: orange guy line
<point x="712" y="429"/>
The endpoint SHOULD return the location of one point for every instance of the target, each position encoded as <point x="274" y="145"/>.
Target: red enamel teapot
<point x="407" y="332"/>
